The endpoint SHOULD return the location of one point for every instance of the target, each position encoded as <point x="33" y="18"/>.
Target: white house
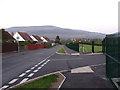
<point x="45" y="39"/>
<point x="22" y="36"/>
<point x="36" y="38"/>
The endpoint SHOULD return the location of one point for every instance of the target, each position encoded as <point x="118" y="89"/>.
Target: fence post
<point x="92" y="46"/>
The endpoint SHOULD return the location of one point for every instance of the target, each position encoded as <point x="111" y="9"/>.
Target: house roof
<point x="46" y="38"/>
<point x="37" y="37"/>
<point x="25" y="36"/>
<point x="6" y="36"/>
<point x="12" y="34"/>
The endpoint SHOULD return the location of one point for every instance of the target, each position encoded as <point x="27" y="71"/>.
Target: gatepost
<point x="92" y="46"/>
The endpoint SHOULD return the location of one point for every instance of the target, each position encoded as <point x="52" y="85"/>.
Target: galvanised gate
<point x="112" y="51"/>
<point x="74" y="46"/>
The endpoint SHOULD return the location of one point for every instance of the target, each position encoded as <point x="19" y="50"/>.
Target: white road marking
<point x="24" y="80"/>
<point x="35" y="65"/>
<point x="47" y="60"/>
<point x="38" y="63"/>
<point x="44" y="59"/>
<point x="85" y="69"/>
<point x="28" y="71"/>
<point x="41" y="62"/>
<point x="39" y="68"/>
<point x="45" y="63"/>
<point x="4" y="87"/>
<point x="22" y="75"/>
<point x="14" y="80"/>
<point x="42" y="65"/>
<point x="32" y="67"/>
<point x="35" y="71"/>
<point x="62" y="81"/>
<point x="30" y="75"/>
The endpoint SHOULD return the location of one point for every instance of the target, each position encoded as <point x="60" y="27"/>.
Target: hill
<point x="52" y="31"/>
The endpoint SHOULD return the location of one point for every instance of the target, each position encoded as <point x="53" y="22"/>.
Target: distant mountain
<point x="52" y="31"/>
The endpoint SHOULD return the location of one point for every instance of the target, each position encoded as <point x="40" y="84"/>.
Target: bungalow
<point x="22" y="36"/>
<point x="36" y="38"/>
<point x="45" y="39"/>
<point x="6" y="36"/>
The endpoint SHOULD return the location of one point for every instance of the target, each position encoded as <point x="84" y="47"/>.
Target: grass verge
<point x="61" y="50"/>
<point x="45" y="82"/>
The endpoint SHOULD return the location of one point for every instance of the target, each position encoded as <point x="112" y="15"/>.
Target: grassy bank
<point x="45" y="82"/>
<point x="61" y="50"/>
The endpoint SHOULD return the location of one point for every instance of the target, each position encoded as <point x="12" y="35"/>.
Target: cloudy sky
<point x="91" y="15"/>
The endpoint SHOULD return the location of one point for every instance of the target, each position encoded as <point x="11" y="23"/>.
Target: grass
<point x="45" y="82"/>
<point x="88" y="48"/>
<point x="98" y="48"/>
<point x="61" y="50"/>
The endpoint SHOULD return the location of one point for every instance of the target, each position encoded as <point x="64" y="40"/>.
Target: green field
<point x="45" y="82"/>
<point x="88" y="48"/>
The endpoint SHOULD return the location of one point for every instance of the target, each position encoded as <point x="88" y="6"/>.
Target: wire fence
<point x="85" y="47"/>
<point x="73" y="46"/>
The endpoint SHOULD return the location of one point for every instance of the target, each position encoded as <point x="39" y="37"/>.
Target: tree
<point x="57" y="39"/>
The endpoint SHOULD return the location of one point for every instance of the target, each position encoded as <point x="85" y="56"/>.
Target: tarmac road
<point x="18" y="69"/>
<point x="15" y="65"/>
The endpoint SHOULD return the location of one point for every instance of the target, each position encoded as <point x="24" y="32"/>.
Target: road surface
<point x="15" y="65"/>
<point x="20" y="68"/>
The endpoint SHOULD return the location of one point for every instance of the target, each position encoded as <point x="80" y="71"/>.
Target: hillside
<point x="52" y="31"/>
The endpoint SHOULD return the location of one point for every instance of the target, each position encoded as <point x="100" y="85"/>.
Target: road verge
<point x="56" y="84"/>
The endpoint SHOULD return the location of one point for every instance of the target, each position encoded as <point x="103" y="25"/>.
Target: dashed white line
<point x="44" y="60"/>
<point x="47" y="60"/>
<point x="14" y="80"/>
<point x="38" y="63"/>
<point x="4" y="87"/>
<point x="42" y="65"/>
<point x="39" y="67"/>
<point x="35" y="65"/>
<point x="32" y="67"/>
<point x="27" y="71"/>
<point x="30" y="75"/>
<point x="22" y="75"/>
<point x="24" y="80"/>
<point x="35" y="71"/>
<point x="45" y="63"/>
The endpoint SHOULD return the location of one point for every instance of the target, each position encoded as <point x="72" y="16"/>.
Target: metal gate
<point x="112" y="50"/>
<point x="73" y="46"/>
